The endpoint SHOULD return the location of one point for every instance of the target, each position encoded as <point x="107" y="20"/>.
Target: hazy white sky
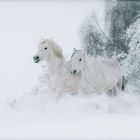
<point x="22" y="24"/>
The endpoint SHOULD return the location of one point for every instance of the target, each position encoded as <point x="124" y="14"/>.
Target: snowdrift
<point x="127" y="102"/>
<point x="41" y="115"/>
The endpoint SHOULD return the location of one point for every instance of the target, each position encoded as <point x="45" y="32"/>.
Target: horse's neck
<point x="54" y="64"/>
<point x="88" y="67"/>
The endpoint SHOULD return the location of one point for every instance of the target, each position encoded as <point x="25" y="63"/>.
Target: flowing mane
<point x="56" y="48"/>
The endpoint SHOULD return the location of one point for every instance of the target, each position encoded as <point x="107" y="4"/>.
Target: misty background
<point x="107" y="28"/>
<point x="21" y="26"/>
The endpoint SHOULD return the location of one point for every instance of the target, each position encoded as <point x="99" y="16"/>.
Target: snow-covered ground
<point x="71" y="126"/>
<point x="72" y="117"/>
<point x="24" y="114"/>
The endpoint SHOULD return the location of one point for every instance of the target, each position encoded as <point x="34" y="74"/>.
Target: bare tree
<point x="93" y="39"/>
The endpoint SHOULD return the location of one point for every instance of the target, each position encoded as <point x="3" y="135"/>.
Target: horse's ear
<point x="41" y="38"/>
<point x="84" y="53"/>
<point x="52" y="39"/>
<point x="75" y="50"/>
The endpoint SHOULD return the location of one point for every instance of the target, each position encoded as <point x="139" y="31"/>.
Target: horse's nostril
<point x="36" y="57"/>
<point x="74" y="71"/>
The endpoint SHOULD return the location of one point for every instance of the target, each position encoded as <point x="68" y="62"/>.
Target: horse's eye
<point x="45" y="48"/>
<point x="80" y="59"/>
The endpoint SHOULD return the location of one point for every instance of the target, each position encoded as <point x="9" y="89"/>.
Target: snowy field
<point x="72" y="117"/>
<point x="24" y="114"/>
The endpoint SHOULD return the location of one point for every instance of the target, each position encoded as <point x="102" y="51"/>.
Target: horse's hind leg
<point x="112" y="92"/>
<point x="119" y="87"/>
<point x="124" y="82"/>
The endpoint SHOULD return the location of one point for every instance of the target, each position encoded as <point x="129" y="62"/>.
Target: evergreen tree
<point x="132" y="62"/>
<point x="119" y="15"/>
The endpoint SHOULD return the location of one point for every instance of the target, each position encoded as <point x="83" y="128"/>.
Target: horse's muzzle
<point x="73" y="71"/>
<point x="36" y="59"/>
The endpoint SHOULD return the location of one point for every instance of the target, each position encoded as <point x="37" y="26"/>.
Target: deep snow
<point x="72" y="117"/>
<point x="71" y="126"/>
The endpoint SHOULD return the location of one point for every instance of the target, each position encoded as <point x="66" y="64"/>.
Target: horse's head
<point x="77" y="59"/>
<point x="46" y="49"/>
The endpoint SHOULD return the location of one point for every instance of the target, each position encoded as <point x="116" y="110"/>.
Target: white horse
<point x="98" y="74"/>
<point x="60" y="79"/>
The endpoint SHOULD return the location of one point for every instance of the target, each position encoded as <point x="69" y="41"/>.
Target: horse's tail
<point x="124" y="82"/>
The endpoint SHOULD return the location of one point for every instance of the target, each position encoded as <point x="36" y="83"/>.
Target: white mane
<point x="56" y="48"/>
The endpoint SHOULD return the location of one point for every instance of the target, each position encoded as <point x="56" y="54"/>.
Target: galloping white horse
<point x="60" y="78"/>
<point x="98" y="74"/>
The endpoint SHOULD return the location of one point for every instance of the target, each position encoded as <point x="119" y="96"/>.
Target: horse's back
<point x="109" y="62"/>
<point x="105" y="72"/>
<point x="104" y="63"/>
<point x="109" y="65"/>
